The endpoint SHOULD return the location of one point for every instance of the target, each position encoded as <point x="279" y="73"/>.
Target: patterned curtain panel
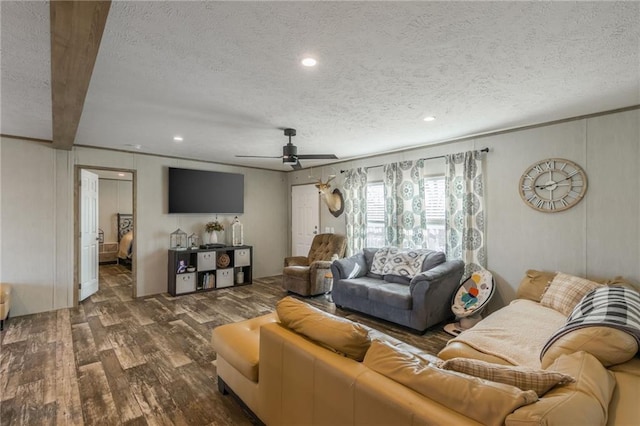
<point x="355" y="208"/>
<point x="405" y="215"/>
<point x="465" y="219"/>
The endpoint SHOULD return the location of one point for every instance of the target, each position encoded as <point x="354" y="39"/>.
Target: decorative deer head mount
<point x="333" y="200"/>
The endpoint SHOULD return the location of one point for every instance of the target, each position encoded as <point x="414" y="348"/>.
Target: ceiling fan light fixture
<point x="289" y="159"/>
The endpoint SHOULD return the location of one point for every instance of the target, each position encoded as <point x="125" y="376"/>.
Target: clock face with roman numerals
<point x="553" y="185"/>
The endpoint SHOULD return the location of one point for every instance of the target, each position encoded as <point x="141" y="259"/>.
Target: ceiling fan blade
<point x="296" y="166"/>
<point x="259" y="156"/>
<point x="318" y="157"/>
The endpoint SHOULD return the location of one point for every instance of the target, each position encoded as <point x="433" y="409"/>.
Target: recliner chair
<point x="306" y="275"/>
<point x="5" y="303"/>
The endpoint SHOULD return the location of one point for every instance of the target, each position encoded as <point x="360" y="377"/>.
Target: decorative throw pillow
<point x="607" y="344"/>
<point x="380" y="259"/>
<point x="534" y="284"/>
<point x="337" y="334"/>
<point x="539" y="381"/>
<point x="404" y="263"/>
<point x="565" y="291"/>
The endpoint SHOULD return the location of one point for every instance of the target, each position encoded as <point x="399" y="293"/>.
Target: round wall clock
<point x="553" y="185"/>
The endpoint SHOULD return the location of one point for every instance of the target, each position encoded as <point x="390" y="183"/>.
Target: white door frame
<point x="76" y="229"/>
<point x="313" y="227"/>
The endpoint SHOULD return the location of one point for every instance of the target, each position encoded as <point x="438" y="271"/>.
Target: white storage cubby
<point x="186" y="283"/>
<point x="224" y="278"/>
<point x="206" y="260"/>
<point x="242" y="257"/>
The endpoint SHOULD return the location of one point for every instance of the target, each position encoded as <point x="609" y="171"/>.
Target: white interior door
<point x="88" y="233"/>
<point x="305" y="218"/>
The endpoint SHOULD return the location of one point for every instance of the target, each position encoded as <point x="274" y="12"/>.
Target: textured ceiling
<point x="227" y="76"/>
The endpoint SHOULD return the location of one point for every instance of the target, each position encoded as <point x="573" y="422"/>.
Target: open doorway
<point x="113" y="257"/>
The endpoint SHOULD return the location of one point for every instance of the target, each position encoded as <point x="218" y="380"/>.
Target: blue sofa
<point x="417" y="302"/>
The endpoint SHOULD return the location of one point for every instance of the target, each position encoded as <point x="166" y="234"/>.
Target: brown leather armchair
<point x="305" y="275"/>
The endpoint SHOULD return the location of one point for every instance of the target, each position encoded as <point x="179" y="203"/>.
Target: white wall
<point x="115" y="196"/>
<point x="598" y="238"/>
<point x="37" y="226"/>
<point x="36" y="221"/>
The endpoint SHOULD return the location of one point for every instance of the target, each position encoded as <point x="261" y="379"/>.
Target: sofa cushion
<point x="352" y="267"/>
<point x="335" y="333"/>
<point x="484" y="401"/>
<point x="539" y="381"/>
<point x="369" y="254"/>
<point x="392" y="294"/>
<point x="565" y="291"/>
<point x="584" y="402"/>
<point x="359" y="287"/>
<point x="610" y="346"/>
<point x="507" y="325"/>
<point x="239" y="344"/>
<point x="432" y="259"/>
<point x="398" y="279"/>
<point x="534" y="284"/>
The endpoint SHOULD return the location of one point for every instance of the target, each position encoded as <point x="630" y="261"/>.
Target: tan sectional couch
<point x="300" y="366"/>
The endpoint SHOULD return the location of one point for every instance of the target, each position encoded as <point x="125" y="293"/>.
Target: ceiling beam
<point x="76" y="32"/>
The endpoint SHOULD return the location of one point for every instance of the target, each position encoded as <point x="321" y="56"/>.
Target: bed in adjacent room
<point x="125" y="239"/>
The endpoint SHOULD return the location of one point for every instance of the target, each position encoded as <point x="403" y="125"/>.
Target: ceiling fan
<point x="290" y="153"/>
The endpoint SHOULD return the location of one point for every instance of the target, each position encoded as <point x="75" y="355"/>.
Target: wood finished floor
<point x="146" y="361"/>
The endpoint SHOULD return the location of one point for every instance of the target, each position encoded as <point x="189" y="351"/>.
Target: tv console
<point x="205" y="269"/>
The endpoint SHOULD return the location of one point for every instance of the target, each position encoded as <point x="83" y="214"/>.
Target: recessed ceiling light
<point x="178" y="138"/>
<point x="121" y="174"/>
<point x="429" y="118"/>
<point x="309" y="62"/>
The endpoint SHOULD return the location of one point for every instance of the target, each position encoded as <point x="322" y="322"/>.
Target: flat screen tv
<point x="201" y="191"/>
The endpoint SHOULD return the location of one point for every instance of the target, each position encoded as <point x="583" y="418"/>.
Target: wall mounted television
<point x="202" y="191"/>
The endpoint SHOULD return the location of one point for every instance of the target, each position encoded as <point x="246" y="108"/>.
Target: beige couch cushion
<point x="609" y="345"/>
<point x="565" y="291"/>
<point x="539" y="381"/>
<point x="507" y="325"/>
<point x="484" y="401"/>
<point x="338" y="334"/>
<point x="583" y="403"/>
<point x="534" y="284"/>
<point x="239" y="344"/>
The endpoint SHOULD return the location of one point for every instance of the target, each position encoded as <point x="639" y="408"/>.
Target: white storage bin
<point x="224" y="278"/>
<point x="185" y="283"/>
<point x="206" y="260"/>
<point x="242" y="257"/>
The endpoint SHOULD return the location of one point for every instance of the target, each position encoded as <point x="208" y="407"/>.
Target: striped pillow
<point x="565" y="291"/>
<point x="539" y="381"/>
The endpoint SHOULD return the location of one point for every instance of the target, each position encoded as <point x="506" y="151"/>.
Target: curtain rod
<point x="423" y="159"/>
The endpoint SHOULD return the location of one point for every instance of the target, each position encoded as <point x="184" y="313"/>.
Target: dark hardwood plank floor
<point x="146" y="361"/>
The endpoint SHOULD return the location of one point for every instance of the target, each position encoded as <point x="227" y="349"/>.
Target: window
<point x="375" y="215"/>
<point x="434" y="234"/>
<point x="434" y="196"/>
